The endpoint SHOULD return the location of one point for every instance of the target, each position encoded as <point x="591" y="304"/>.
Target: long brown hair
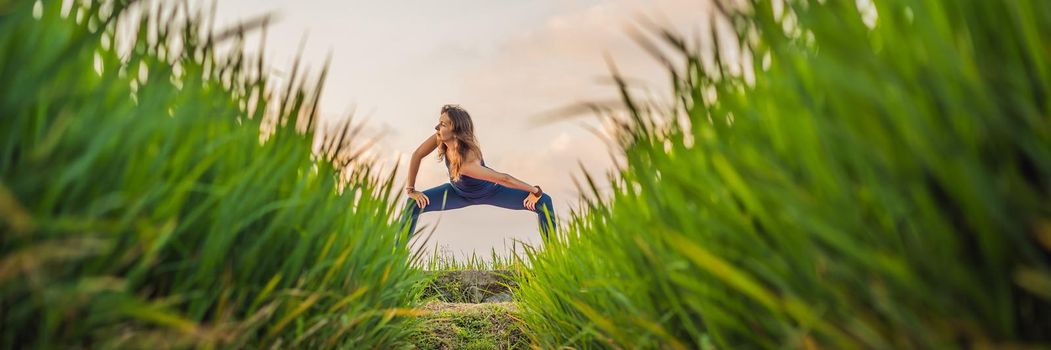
<point x="463" y="133"/>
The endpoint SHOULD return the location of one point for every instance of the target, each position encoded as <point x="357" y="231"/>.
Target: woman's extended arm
<point x="474" y="168"/>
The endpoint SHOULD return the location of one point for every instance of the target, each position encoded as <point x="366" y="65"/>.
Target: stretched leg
<point x="510" y="198"/>
<point x="442" y="197"/>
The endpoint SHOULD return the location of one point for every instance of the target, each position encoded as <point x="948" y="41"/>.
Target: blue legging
<point x="502" y="197"/>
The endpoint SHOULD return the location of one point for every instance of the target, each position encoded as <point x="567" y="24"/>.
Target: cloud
<point x="564" y="58"/>
<point x="563" y="62"/>
<point x="560" y="143"/>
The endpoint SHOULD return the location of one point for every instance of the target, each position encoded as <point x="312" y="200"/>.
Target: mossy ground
<point x="469" y="326"/>
<point x="469" y="309"/>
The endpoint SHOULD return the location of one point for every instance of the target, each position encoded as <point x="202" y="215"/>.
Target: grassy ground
<point x="471" y="286"/>
<point x="470" y="326"/>
<point x="469" y="309"/>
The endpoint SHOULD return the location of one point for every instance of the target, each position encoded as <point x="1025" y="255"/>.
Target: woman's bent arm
<point x="428" y="146"/>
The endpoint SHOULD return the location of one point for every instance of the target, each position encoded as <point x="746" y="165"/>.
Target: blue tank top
<point x="471" y="187"/>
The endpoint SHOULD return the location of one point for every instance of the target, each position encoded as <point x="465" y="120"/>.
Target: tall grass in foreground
<point x="140" y="206"/>
<point x="882" y="182"/>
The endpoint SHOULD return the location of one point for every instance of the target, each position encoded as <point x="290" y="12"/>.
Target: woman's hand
<point x="421" y="199"/>
<point x="530" y="201"/>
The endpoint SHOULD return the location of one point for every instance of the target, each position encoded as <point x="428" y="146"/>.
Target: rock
<point x="498" y="298"/>
<point x="472" y="286"/>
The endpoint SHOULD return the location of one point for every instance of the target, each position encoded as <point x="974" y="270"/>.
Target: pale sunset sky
<point x="395" y="63"/>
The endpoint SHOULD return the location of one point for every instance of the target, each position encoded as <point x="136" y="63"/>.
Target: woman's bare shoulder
<point x="473" y="157"/>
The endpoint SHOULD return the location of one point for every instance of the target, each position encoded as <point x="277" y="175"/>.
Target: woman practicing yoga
<point x="471" y="182"/>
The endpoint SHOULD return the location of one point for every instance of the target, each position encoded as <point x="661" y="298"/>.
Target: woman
<point x="471" y="182"/>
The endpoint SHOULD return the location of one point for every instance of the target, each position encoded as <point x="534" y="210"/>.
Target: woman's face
<point x="444" y="128"/>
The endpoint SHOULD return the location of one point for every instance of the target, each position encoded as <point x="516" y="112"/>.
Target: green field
<point x="825" y="175"/>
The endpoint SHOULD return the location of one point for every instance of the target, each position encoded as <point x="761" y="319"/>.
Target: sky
<point x="508" y="63"/>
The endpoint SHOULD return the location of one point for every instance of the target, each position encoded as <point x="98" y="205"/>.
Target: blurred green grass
<point x="167" y="196"/>
<point x="443" y="260"/>
<point x="844" y="182"/>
